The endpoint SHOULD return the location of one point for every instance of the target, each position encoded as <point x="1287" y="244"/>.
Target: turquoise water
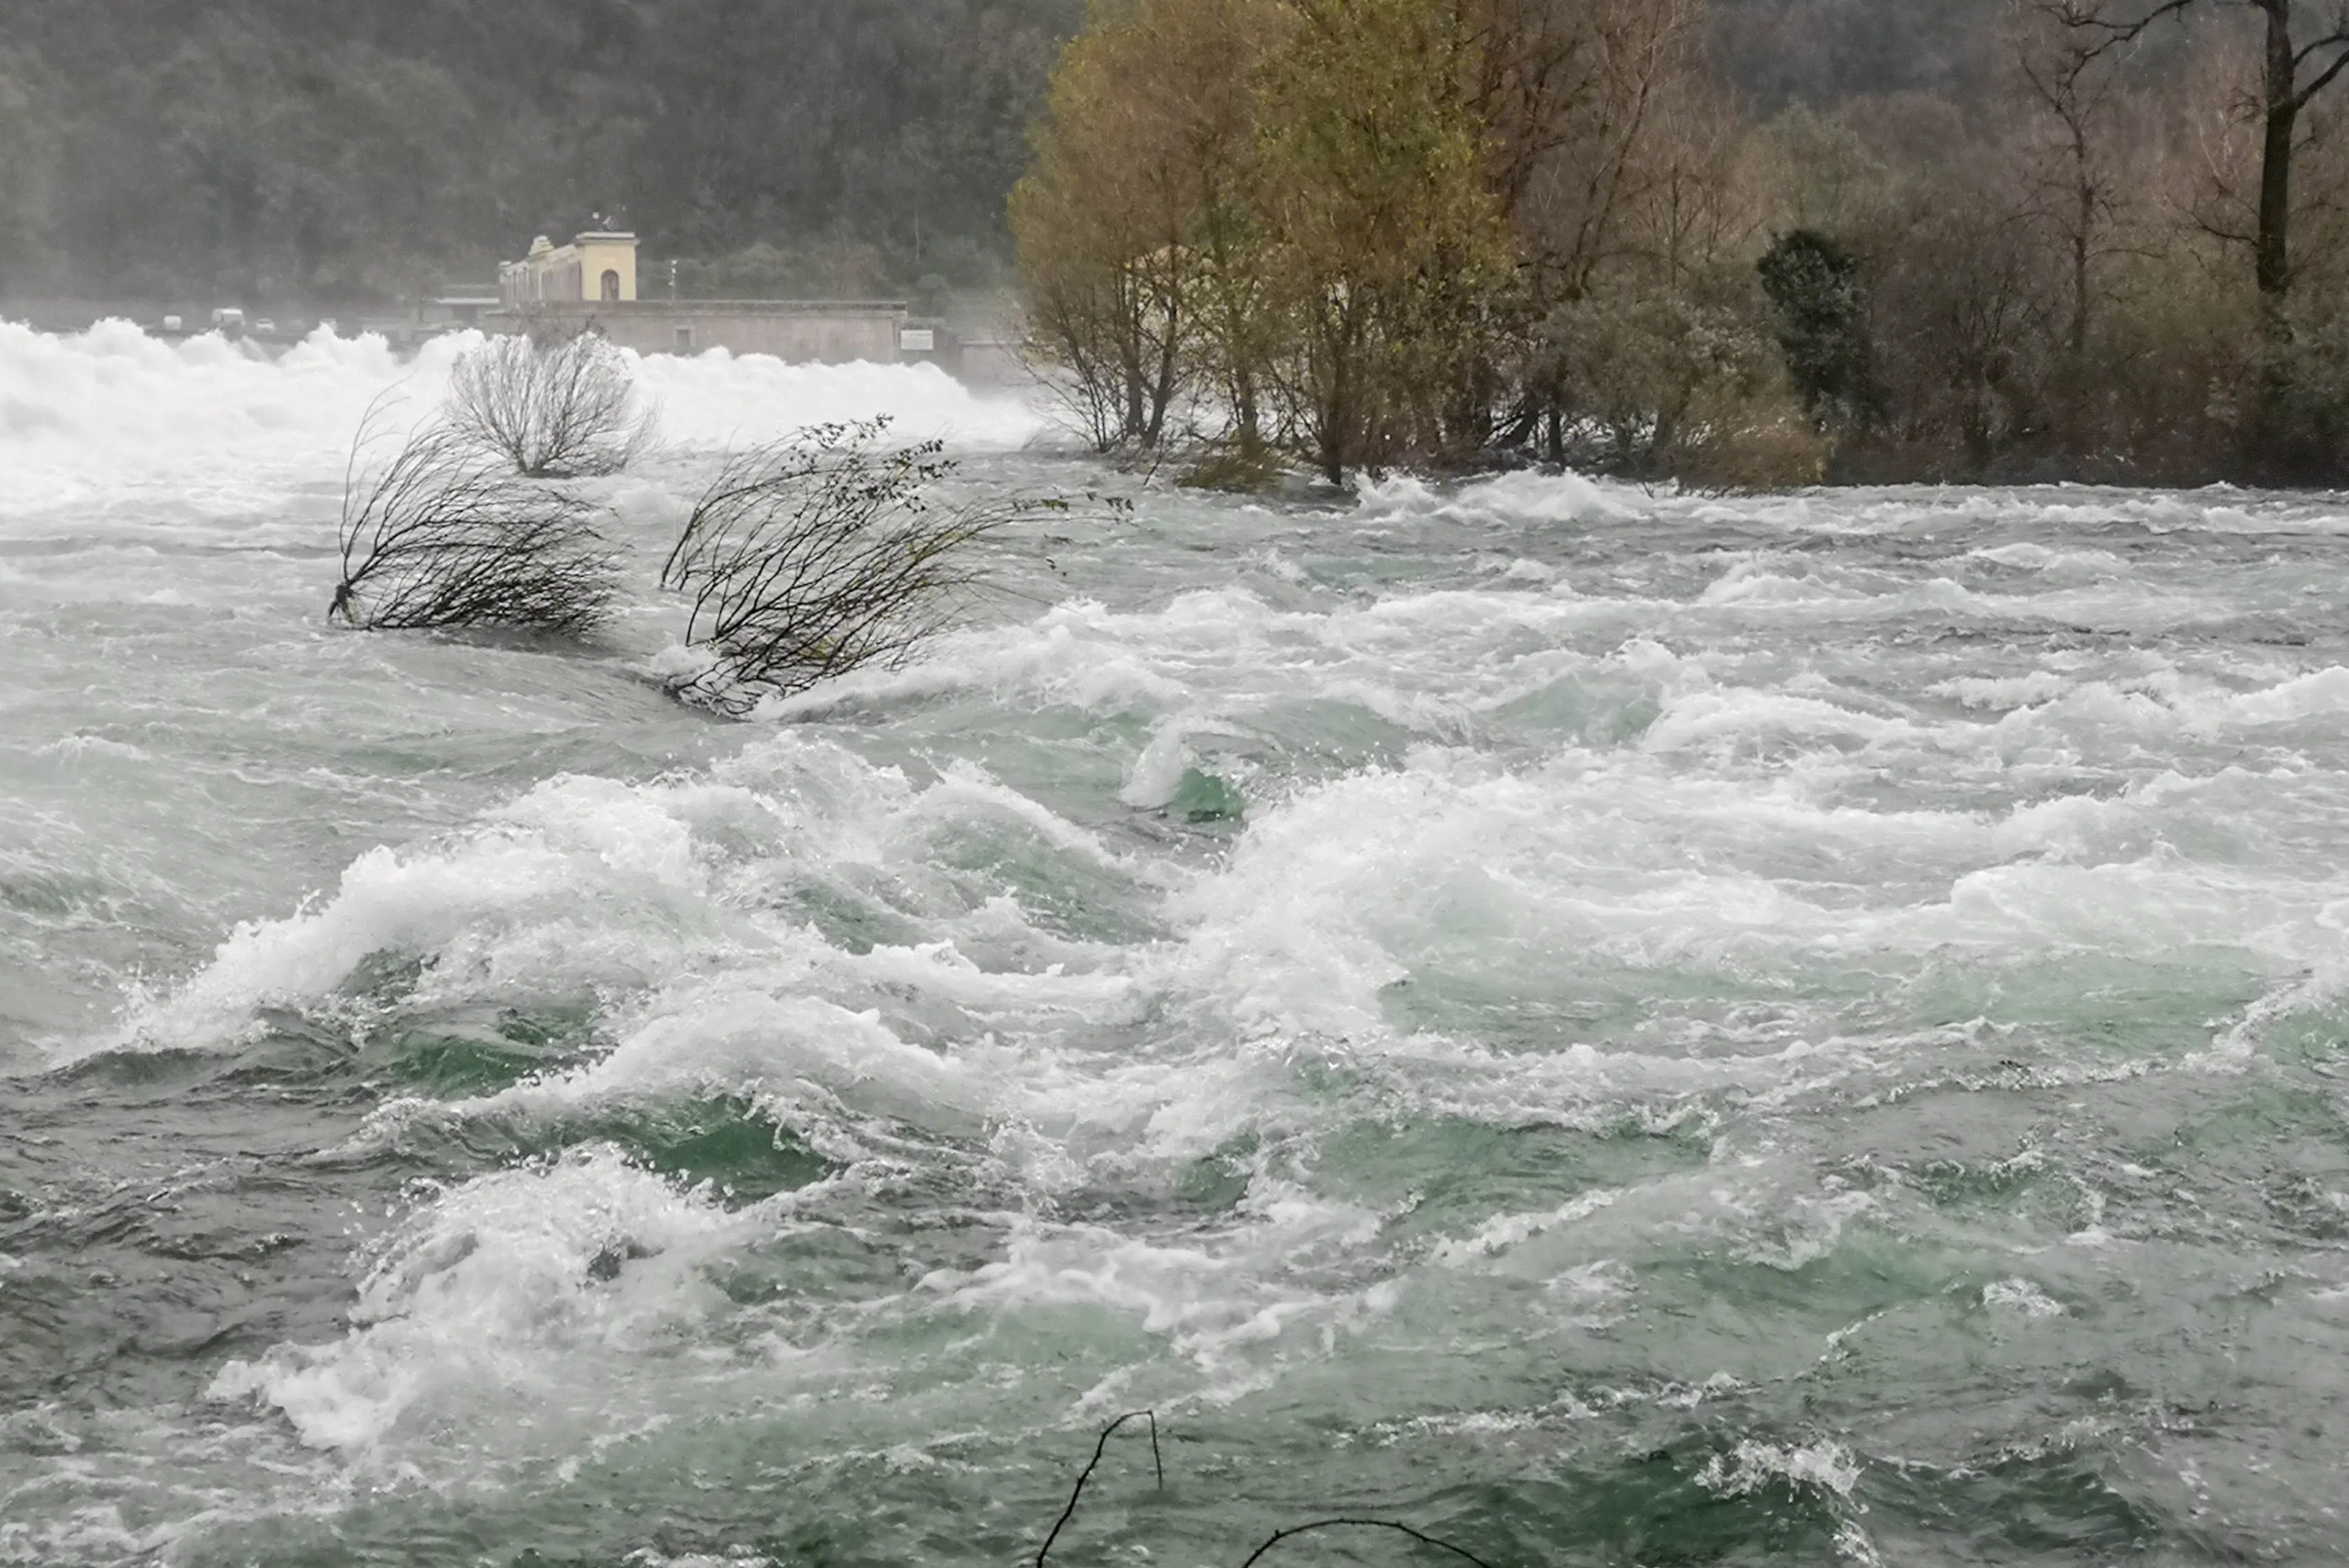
<point x="1615" y="1028"/>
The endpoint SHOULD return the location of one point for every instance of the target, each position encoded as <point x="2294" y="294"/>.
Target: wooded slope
<point x="359" y="148"/>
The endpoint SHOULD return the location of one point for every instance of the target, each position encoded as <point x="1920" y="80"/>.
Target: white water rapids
<point x="1615" y="1027"/>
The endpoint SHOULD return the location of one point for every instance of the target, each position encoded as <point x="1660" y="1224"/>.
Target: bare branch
<point x="559" y="408"/>
<point x="1102" y="1446"/>
<point x="1419" y="1535"/>
<point x="2340" y="35"/>
<point x="1093" y="1464"/>
<point x="816" y="555"/>
<point x="439" y="535"/>
<point x="2118" y="34"/>
<point x="2325" y="78"/>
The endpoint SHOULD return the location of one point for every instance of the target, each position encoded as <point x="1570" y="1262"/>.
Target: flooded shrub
<point x="443" y="535"/>
<point x="1234" y="467"/>
<point x="1685" y="385"/>
<point x="1755" y="441"/>
<point x="557" y="407"/>
<point x="823" y="554"/>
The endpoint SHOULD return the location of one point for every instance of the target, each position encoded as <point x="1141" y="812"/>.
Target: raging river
<point x="1614" y="1028"/>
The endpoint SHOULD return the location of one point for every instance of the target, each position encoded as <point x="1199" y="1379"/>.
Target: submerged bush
<point x="559" y="408"/>
<point x="443" y="535"/>
<point x="819" y="554"/>
<point x="1681" y="384"/>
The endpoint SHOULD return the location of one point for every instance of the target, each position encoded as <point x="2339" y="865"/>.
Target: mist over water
<point x="1617" y="1027"/>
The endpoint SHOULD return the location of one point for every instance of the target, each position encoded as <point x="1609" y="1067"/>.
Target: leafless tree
<point x="2297" y="63"/>
<point x="555" y="407"/>
<point x="1579" y="93"/>
<point x="819" y="554"/>
<point x="2060" y="58"/>
<point x="443" y="535"/>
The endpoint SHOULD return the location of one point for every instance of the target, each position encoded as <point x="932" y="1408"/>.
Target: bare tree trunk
<point x="1250" y="425"/>
<point x="1334" y="420"/>
<point x="2273" y="265"/>
<point x="1338" y="404"/>
<point x="1161" y="389"/>
<point x="2283" y="96"/>
<point x="2059" y="49"/>
<point x="2084" y="191"/>
<point x="1135" y="420"/>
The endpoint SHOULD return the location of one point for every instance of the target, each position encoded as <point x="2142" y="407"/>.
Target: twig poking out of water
<point x="1311" y="1525"/>
<point x="441" y="535"/>
<point x="556" y="407"/>
<point x="819" y="554"/>
<point x="1308" y="1527"/>
<point x="1093" y="1464"/>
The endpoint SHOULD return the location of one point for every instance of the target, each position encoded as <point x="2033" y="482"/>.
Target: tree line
<point x="1370" y="233"/>
<point x="349" y="151"/>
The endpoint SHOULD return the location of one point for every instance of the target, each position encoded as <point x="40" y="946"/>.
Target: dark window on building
<point x="611" y="287"/>
<point x="685" y="338"/>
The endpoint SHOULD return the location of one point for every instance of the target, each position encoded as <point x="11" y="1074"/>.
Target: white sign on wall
<point x="916" y="340"/>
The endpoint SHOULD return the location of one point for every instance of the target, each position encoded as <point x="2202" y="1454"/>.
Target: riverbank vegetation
<point x="451" y="531"/>
<point x="801" y="560"/>
<point x="556" y="406"/>
<point x="1364" y="233"/>
<point x="824" y="552"/>
<point x="443" y="535"/>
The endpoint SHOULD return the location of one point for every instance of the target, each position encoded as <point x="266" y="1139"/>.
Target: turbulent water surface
<point x="1617" y="1029"/>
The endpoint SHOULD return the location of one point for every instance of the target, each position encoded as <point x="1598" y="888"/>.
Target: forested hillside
<point x="1781" y="52"/>
<point x="332" y="149"/>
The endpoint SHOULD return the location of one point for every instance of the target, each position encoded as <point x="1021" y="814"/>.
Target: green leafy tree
<point x="1813" y="286"/>
<point x="1385" y="239"/>
<point x="1133" y="227"/>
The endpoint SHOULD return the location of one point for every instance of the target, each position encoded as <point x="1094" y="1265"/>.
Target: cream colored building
<point x="591" y="284"/>
<point x="595" y="267"/>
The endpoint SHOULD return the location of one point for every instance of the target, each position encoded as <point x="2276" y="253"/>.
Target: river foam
<point x="114" y="413"/>
<point x="1605" y="1020"/>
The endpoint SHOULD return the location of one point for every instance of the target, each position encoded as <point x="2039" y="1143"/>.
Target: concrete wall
<point x="821" y="332"/>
